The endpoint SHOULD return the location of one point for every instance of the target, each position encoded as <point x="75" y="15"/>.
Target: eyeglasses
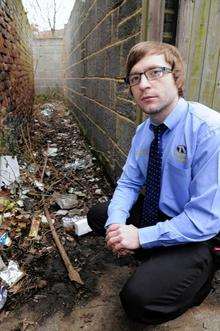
<point x="151" y="74"/>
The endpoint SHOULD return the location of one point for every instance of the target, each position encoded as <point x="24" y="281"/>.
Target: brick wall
<point x="16" y="73"/>
<point x="97" y="39"/>
<point x="48" y="64"/>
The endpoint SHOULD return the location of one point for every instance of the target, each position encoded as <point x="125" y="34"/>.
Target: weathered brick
<point x="124" y="134"/>
<point x="103" y="117"/>
<point x="129" y="27"/>
<point x="120" y="157"/>
<point x="122" y="91"/>
<point x="114" y="29"/>
<point x="103" y="39"/>
<point x="128" y="8"/>
<point x="16" y="69"/>
<point x="125" y="48"/>
<point x="113" y="63"/>
<point x="126" y="108"/>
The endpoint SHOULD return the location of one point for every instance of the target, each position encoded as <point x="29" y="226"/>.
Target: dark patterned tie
<point x="150" y="212"/>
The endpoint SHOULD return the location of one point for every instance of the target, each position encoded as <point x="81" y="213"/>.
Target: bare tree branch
<point x="47" y="16"/>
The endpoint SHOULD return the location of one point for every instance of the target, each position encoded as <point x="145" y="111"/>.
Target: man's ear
<point x="130" y="92"/>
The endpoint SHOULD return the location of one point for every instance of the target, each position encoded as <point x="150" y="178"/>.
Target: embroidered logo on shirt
<point x="181" y="153"/>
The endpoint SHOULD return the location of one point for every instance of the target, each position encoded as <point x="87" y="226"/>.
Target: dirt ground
<point x="45" y="299"/>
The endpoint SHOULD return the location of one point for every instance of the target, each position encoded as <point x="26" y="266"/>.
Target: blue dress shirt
<point x="190" y="188"/>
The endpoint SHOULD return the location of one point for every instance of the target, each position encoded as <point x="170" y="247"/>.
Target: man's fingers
<point x="111" y="235"/>
<point x="112" y="241"/>
<point x="124" y="252"/>
<point x="112" y="227"/>
<point x="118" y="247"/>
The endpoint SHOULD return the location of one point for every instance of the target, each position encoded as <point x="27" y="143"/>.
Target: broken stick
<point x="72" y="273"/>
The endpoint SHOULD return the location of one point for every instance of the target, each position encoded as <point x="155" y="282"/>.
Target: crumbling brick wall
<point x="16" y="73"/>
<point x="97" y="40"/>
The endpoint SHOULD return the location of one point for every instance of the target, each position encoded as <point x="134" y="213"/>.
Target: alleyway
<point x="56" y="156"/>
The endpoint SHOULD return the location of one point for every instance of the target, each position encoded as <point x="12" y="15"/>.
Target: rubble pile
<point x="56" y="171"/>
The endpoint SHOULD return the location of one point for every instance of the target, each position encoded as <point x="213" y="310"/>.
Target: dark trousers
<point x="168" y="281"/>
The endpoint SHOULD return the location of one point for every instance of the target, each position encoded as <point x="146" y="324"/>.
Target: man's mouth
<point x="148" y="98"/>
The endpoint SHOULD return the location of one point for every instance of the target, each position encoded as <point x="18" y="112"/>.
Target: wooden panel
<point x="210" y="65"/>
<point x="197" y="49"/>
<point x="184" y="29"/>
<point x="216" y="97"/>
<point x="152" y="19"/>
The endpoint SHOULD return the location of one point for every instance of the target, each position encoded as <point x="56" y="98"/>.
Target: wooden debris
<point x="34" y="227"/>
<point x="72" y="273"/>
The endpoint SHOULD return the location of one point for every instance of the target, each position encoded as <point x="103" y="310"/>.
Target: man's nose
<point x="144" y="82"/>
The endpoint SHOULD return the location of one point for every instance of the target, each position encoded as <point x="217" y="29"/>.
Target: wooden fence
<point x="197" y="36"/>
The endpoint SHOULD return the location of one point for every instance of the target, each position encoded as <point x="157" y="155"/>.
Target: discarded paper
<point x="11" y="274"/>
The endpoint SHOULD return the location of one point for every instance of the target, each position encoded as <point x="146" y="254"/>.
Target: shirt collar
<point x="176" y="114"/>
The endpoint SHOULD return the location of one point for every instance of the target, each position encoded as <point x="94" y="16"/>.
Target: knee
<point x="133" y="301"/>
<point x="141" y="306"/>
<point x="97" y="217"/>
<point x="91" y="215"/>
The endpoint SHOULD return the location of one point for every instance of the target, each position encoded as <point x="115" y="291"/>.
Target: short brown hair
<point x="171" y="54"/>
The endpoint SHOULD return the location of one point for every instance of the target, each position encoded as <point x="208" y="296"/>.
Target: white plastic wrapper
<point x="3" y="296"/>
<point x="11" y="274"/>
<point x="9" y="170"/>
<point x="79" y="223"/>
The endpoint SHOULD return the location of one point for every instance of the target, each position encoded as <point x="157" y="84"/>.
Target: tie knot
<point x="158" y="129"/>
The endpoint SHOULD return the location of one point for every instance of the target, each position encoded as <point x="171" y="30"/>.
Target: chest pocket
<point x="176" y="181"/>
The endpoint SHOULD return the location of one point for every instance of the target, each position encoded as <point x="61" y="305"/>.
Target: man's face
<point x="156" y="97"/>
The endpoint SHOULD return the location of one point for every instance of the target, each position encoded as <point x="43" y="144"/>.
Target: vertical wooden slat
<point x="152" y="19"/>
<point x="208" y="81"/>
<point x="197" y="48"/>
<point x="184" y="29"/>
<point x="216" y="97"/>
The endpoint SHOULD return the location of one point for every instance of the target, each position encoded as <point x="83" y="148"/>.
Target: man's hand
<point x="122" y="238"/>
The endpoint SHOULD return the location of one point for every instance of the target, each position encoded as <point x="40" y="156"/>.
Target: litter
<point x="66" y="201"/>
<point x="68" y="224"/>
<point x="98" y="191"/>
<point x="44" y="220"/>
<point x="52" y="151"/>
<point x="48" y="109"/>
<point x="76" y="165"/>
<point x="3" y="296"/>
<point x="9" y="170"/>
<point x="34" y="227"/>
<point x="11" y="274"/>
<point x="2" y="265"/>
<point x="6" y="205"/>
<point x="79" y="223"/>
<point x="61" y="212"/>
<point x="39" y="185"/>
<point x="20" y="203"/>
<point x="5" y="239"/>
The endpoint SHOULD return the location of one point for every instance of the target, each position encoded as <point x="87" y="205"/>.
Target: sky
<point x="38" y="12"/>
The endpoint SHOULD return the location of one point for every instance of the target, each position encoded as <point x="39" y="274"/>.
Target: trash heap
<point x="46" y="191"/>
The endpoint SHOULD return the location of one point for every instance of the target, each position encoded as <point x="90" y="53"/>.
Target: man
<point x="176" y="153"/>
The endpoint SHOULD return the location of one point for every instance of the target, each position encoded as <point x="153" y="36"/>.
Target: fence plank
<point x="216" y="98"/>
<point x="197" y="48"/>
<point x="184" y="30"/>
<point x="210" y="64"/>
<point x="152" y="19"/>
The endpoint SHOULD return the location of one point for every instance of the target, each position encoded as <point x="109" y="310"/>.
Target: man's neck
<point x="160" y="117"/>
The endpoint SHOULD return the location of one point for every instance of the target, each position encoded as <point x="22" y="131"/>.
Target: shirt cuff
<point x="148" y="236"/>
<point x="116" y="218"/>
